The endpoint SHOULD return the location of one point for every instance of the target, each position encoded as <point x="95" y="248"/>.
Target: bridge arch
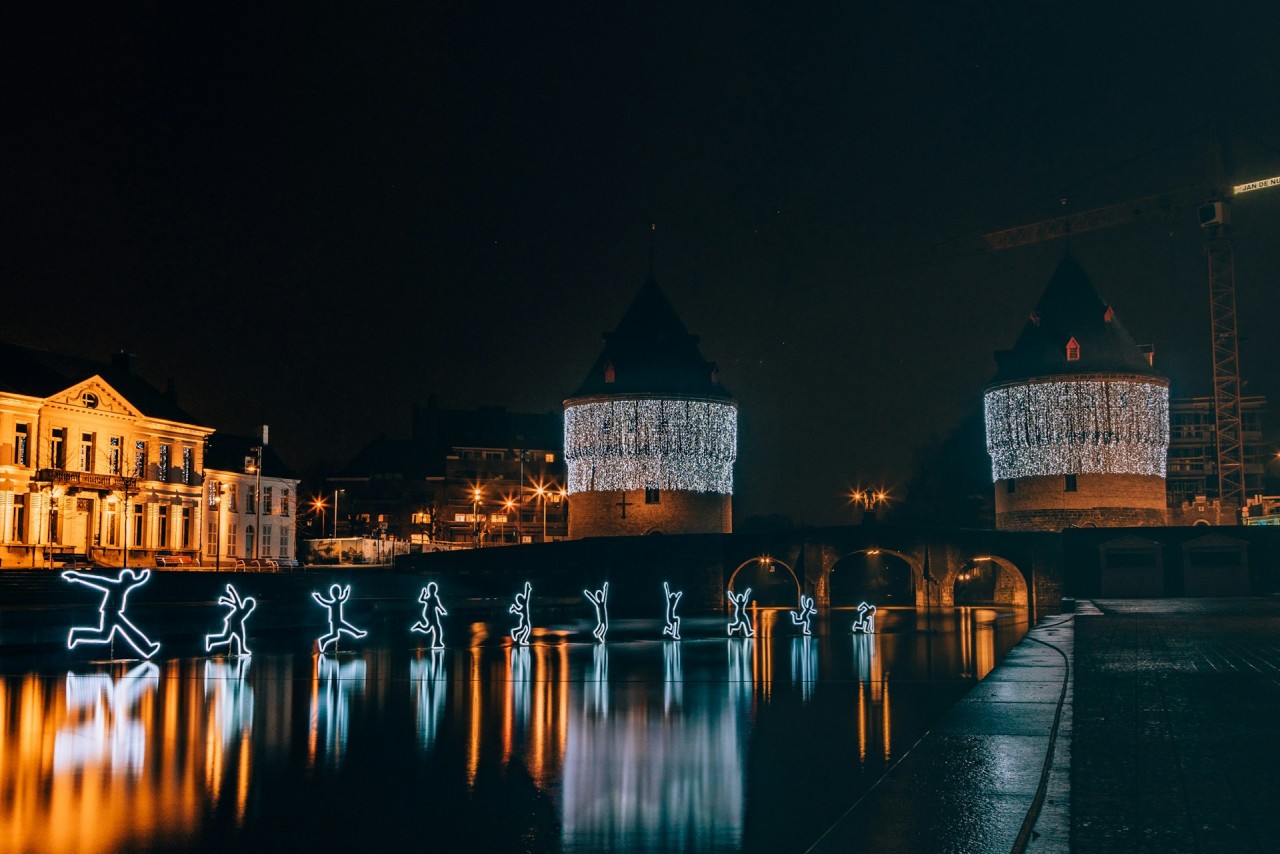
<point x="873" y="585"/>
<point x="989" y="580"/>
<point x="767" y="591"/>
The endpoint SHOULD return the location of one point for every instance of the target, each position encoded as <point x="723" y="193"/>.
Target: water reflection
<point x="741" y="669"/>
<point x="229" y="740"/>
<point x="430" y="685"/>
<point x="672" y="677"/>
<point x="804" y="665"/>
<point x="595" y="688"/>
<point x="103" y="725"/>
<point x="333" y="685"/>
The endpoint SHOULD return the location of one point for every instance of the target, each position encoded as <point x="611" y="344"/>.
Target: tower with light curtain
<point x="651" y="436"/>
<point x="1077" y="418"/>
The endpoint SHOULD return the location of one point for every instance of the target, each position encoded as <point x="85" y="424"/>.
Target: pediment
<point x="95" y="395"/>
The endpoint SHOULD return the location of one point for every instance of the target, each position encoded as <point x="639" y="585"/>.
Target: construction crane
<point x="1213" y="210"/>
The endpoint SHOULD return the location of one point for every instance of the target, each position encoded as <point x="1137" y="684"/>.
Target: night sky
<point x="321" y="216"/>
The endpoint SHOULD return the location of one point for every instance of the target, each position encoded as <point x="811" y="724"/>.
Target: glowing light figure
<point x="338" y="624"/>
<point x="600" y="599"/>
<point x="520" y="633"/>
<point x="866" y="622"/>
<point x="804" y="616"/>
<point x="432" y="611"/>
<point x="233" y="622"/>
<point x="741" y="622"/>
<point x="672" y="628"/>
<point x="112" y="621"/>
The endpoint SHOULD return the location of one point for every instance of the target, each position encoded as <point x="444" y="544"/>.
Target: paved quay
<point x="1177" y="726"/>
<point x="970" y="782"/>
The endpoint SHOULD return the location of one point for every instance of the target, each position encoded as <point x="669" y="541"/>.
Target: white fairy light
<point x="651" y="443"/>
<point x="1109" y="426"/>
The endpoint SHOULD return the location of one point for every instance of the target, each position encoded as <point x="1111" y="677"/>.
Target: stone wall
<point x="599" y="514"/>
<point x="1099" y="501"/>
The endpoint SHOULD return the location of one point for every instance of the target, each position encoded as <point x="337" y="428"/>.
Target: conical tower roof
<point x="1070" y="309"/>
<point x="651" y="352"/>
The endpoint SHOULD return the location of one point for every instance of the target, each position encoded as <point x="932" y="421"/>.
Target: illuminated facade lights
<point x="1114" y="426"/>
<point x="631" y="443"/>
<point x="111" y="620"/>
<point x="741" y="622"/>
<point x="672" y="628"/>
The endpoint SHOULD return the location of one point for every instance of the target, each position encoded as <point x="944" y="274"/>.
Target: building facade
<point x="95" y="464"/>
<point x="1077" y="419"/>
<point x="1193" y="454"/>
<point x="651" y="436"/>
<point x="251" y="504"/>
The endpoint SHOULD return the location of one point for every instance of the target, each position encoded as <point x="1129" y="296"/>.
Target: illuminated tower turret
<point x="651" y="436"/>
<point x="1077" y="418"/>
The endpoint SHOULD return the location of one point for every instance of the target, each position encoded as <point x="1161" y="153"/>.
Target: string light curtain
<point x="651" y="443"/>
<point x="1077" y="427"/>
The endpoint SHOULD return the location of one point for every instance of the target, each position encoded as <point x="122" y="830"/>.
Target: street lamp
<point x="541" y="492"/>
<point x="319" y="507"/>
<point x="509" y="506"/>
<point x="475" y="516"/>
<point x="335" y="512"/>
<point x="217" y="522"/>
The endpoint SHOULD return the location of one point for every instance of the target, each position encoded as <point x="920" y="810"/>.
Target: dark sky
<point x="320" y="216"/>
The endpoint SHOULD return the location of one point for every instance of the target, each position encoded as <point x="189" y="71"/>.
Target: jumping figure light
<point x="672" y="628"/>
<point x="338" y="624"/>
<point x="233" y="622"/>
<point x="805" y="614"/>
<point x="432" y="611"/>
<point x="600" y="599"/>
<point x="520" y="633"/>
<point x="111" y="620"/>
<point x="866" y="622"/>
<point x="741" y="618"/>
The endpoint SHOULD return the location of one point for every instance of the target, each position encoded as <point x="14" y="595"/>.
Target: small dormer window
<point x="1073" y="350"/>
<point x="1109" y="315"/>
<point x="609" y="374"/>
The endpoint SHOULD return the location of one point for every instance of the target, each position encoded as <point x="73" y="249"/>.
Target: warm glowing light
<point x="338" y="624"/>
<point x="520" y="633"/>
<point x="741" y="622"/>
<point x="672" y="628"/>
<point x="432" y="610"/>
<point x="600" y="599"/>
<point x="1256" y="185"/>
<point x="651" y="443"/>
<point x="804" y="616"/>
<point x="866" y="622"/>
<point x="232" y="623"/>
<point x="1084" y="427"/>
<point x="111" y="620"/>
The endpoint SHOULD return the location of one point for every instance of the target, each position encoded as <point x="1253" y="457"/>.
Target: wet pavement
<point x="970" y="782"/>
<point x="1177" y="726"/>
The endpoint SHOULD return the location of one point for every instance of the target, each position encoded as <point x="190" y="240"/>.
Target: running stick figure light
<point x="672" y="628"/>
<point x="804" y="616"/>
<point x="741" y="618"/>
<point x="432" y="611"/>
<point x="111" y="620"/>
<point x="866" y="622"/>
<point x="338" y="624"/>
<point x="233" y="622"/>
<point x="520" y="633"/>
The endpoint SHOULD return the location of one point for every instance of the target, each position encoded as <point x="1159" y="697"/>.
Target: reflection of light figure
<point x="805" y="615"/>
<point x="520" y="675"/>
<point x="672" y="676"/>
<point x="600" y="599"/>
<point x="115" y="592"/>
<point x="741" y="621"/>
<point x="232" y="623"/>
<point x="741" y="679"/>
<point x="331" y="710"/>
<point x="338" y="624"/>
<point x="520" y="633"/>
<point x="112" y="732"/>
<point x="432" y="611"/>
<point x="804" y="665"/>
<point x="595" y="690"/>
<point x="430" y="683"/>
<point x="232" y="706"/>
<point x="866" y="622"/>
<point x="672" y="628"/>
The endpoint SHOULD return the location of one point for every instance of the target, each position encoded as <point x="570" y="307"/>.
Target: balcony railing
<point x="87" y="480"/>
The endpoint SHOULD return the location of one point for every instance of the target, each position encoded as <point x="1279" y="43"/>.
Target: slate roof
<point x="226" y="452"/>
<point x="651" y="352"/>
<point x="39" y="373"/>
<point x="1070" y="307"/>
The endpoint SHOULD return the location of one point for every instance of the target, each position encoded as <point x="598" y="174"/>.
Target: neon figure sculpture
<point x="672" y="628"/>
<point x="115" y="592"/>
<point x="432" y="611"/>
<point x="520" y="634"/>
<point x="233" y="622"/>
<point x="866" y="622"/>
<point x="600" y="599"/>
<point x="741" y="618"/>
<point x="805" y="614"/>
<point x="338" y="624"/>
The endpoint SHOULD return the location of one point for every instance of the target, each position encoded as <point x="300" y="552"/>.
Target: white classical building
<point x="95" y="465"/>
<point x="251" y="499"/>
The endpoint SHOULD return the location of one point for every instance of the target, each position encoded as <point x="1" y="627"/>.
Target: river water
<point x="709" y="744"/>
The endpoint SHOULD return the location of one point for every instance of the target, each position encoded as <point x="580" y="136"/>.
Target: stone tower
<point x="1077" y="418"/>
<point x="651" y="436"/>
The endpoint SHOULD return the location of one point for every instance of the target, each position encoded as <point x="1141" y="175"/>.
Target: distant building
<point x="650" y="436"/>
<point x="1193" y="454"/>
<point x="94" y="461"/>
<point x="475" y="477"/>
<point x="1077" y="418"/>
<point x="251" y="515"/>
